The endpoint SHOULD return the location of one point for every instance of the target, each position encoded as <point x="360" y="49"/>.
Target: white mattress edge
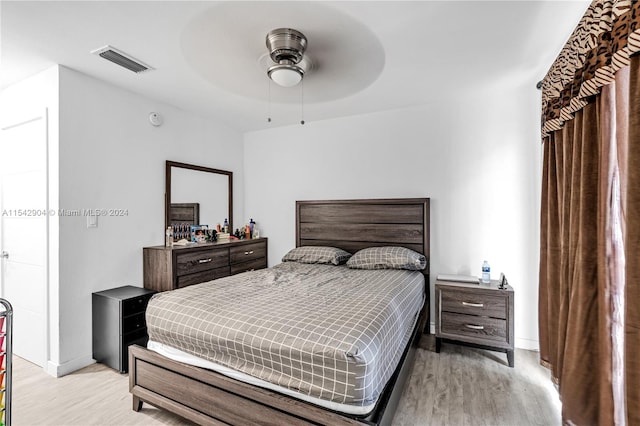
<point x="180" y="356"/>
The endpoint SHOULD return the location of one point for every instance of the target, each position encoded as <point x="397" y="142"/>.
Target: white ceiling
<point x="368" y="55"/>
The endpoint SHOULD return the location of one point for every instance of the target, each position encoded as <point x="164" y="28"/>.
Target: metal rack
<point x="6" y="352"/>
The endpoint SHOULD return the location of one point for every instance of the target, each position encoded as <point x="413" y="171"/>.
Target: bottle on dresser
<point x="486" y="272"/>
<point x="168" y="236"/>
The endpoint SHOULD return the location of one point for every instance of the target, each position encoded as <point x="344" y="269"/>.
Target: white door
<point x="23" y="231"/>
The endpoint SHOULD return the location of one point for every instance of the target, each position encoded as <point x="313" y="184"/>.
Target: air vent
<point x="118" y="57"/>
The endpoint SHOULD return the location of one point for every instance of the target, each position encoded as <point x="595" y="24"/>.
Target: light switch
<point x="92" y="221"/>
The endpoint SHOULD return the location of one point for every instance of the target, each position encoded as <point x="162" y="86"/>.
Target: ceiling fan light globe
<point x="285" y="75"/>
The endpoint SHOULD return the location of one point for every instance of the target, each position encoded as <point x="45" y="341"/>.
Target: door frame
<point x="20" y="118"/>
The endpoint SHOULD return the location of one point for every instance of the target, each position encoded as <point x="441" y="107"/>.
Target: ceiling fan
<point x="286" y="48"/>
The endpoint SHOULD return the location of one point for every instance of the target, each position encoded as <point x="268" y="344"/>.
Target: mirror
<point x="197" y="195"/>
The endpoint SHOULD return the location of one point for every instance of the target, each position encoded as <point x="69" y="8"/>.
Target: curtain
<point x="632" y="247"/>
<point x="589" y="321"/>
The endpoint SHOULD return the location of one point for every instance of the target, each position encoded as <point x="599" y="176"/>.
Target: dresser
<point x="169" y="268"/>
<point x="118" y="321"/>
<point x="475" y="314"/>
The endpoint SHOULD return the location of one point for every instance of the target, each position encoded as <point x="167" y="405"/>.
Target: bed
<point x="210" y="397"/>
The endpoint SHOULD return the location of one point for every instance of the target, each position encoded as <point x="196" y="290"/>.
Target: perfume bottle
<point x="168" y="237"/>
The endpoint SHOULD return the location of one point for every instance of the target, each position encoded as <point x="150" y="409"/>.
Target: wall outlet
<point x="92" y="221"/>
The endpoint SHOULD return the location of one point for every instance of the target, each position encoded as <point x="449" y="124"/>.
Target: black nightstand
<point x="118" y="322"/>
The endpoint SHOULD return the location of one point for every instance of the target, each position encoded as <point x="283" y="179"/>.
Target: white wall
<point x="476" y="155"/>
<point x="112" y="158"/>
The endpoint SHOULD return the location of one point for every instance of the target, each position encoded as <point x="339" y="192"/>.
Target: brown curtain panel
<point x="590" y="218"/>
<point x="632" y="248"/>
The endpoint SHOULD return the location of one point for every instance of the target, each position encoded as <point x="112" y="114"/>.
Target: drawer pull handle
<point x="473" y="305"/>
<point x="205" y="260"/>
<point x="474" y="327"/>
<point x="248" y="252"/>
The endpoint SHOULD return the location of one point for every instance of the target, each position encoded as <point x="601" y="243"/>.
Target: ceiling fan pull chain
<point x="268" y="100"/>
<point x="302" y="103"/>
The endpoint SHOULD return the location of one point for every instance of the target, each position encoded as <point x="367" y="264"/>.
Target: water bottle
<point x="486" y="272"/>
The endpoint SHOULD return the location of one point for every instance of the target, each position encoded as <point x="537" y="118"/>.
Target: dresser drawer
<point x="169" y="268"/>
<point x="203" y="276"/>
<point x="483" y="328"/>
<point x="201" y="260"/>
<point x="473" y="303"/>
<point x="237" y="268"/>
<point x="135" y="304"/>
<point x="247" y="252"/>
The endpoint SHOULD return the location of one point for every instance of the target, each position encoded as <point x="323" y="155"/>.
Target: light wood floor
<point x="459" y="386"/>
<point x="467" y="386"/>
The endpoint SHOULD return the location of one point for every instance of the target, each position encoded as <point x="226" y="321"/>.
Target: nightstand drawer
<point x="487" y="329"/>
<point x="260" y="263"/>
<point x="247" y="252"/>
<point x="135" y="337"/>
<point x="133" y="322"/>
<point x="473" y="303"/>
<point x="188" y="263"/>
<point x="135" y="304"/>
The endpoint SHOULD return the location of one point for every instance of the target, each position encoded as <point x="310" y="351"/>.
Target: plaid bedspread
<point x="326" y="331"/>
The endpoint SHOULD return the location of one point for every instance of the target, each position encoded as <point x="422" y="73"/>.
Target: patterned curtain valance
<point x="601" y="44"/>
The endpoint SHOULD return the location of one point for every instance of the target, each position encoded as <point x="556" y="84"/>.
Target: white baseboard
<point x="528" y="344"/>
<point x="59" y="370"/>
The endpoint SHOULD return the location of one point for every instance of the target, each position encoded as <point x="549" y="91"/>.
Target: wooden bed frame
<point x="210" y="398"/>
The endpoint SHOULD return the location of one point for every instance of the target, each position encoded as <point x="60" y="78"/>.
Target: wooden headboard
<point x="184" y="213"/>
<point x="356" y="224"/>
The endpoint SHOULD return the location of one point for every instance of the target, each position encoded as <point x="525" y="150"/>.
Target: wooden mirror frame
<point x="167" y="191"/>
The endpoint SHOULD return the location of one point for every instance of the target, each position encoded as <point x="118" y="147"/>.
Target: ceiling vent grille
<point x="118" y="57"/>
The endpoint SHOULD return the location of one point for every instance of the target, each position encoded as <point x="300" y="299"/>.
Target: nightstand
<point x="478" y="315"/>
<point x="118" y="322"/>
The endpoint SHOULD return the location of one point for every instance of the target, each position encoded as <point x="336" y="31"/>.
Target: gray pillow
<point x="317" y="254"/>
<point x="387" y="258"/>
